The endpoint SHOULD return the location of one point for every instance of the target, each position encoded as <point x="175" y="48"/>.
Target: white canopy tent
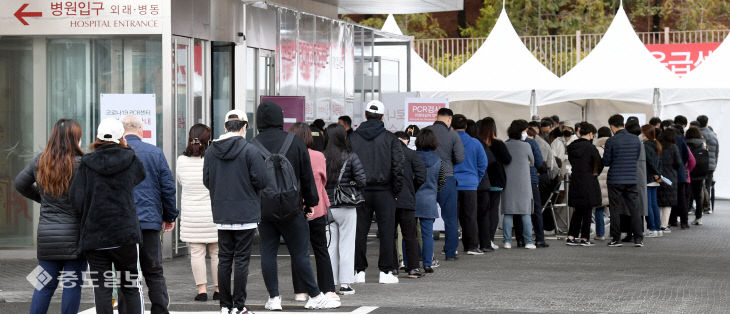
<point x="498" y="80"/>
<point x="706" y="90"/>
<point x="619" y="76"/>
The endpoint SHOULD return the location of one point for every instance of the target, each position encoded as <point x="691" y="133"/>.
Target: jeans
<point x="600" y="223"/>
<point x="407" y="221"/>
<point x="295" y="231"/>
<point x="124" y="259"/>
<point x="426" y="240"/>
<point x="342" y="244"/>
<point x="318" y="239"/>
<point x="526" y="228"/>
<point x="234" y="251"/>
<point x="467" y="209"/>
<point x="382" y="203"/>
<point x="447" y="199"/>
<point x="71" y="281"/>
<point x="653" y="221"/>
<point x="625" y="197"/>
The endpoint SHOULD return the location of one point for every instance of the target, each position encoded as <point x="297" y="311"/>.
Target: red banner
<point x="682" y="58"/>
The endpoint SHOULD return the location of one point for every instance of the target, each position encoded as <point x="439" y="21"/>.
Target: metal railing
<point x="559" y="53"/>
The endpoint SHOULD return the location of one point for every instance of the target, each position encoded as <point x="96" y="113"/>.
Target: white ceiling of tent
<point x="618" y="68"/>
<point x="502" y="69"/>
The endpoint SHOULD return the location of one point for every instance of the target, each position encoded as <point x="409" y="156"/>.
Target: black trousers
<point x="467" y="209"/>
<point x="318" y="240"/>
<point x="581" y="222"/>
<point x="536" y="217"/>
<point x="382" y="204"/>
<point x="625" y="197"/>
<point x="406" y="219"/>
<point x="710" y="186"/>
<point x="487" y="216"/>
<point x="698" y="196"/>
<point x="150" y="260"/>
<point x="234" y="253"/>
<point x="295" y="231"/>
<point x="126" y="279"/>
<point x="682" y="207"/>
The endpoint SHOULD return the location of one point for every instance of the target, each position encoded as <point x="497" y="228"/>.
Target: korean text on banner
<point x="423" y="111"/>
<point x="682" y="58"/>
<point x="141" y="105"/>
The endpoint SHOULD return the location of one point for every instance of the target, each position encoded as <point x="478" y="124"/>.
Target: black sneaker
<point x="474" y="252"/>
<point x="216" y="296"/>
<point x="487" y="249"/>
<point x="615" y="243"/>
<point x="586" y="243"/>
<point x="415" y="273"/>
<point x="542" y="245"/>
<point x="346" y="290"/>
<point x="638" y="244"/>
<point x="571" y="242"/>
<point x="428" y="269"/>
<point x="684" y="226"/>
<point x="201" y="297"/>
<point x="240" y="311"/>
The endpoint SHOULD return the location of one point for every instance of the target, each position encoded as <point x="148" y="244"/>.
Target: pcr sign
<point x="423" y="111"/>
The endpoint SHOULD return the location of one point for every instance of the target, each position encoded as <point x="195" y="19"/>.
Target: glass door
<point x="260" y="81"/>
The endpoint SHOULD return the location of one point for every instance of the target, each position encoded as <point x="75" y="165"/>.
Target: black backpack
<point x="702" y="167"/>
<point x="280" y="199"/>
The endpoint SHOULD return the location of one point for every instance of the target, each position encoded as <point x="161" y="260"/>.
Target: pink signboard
<point x="292" y="106"/>
<point x="423" y="111"/>
<point x="682" y="58"/>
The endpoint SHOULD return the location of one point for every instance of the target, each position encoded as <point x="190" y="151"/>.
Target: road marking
<point x="359" y="310"/>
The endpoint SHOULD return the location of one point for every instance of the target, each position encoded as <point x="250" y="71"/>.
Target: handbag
<point x="347" y="194"/>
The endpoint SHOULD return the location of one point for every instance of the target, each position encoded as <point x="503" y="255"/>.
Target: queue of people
<point x="319" y="186"/>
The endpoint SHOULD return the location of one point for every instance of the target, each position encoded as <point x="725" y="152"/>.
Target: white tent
<point x="706" y="90"/>
<point x="498" y="80"/>
<point x="618" y="76"/>
<point x="423" y="76"/>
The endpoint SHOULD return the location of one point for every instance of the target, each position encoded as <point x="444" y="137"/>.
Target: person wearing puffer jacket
<point x="196" y="217"/>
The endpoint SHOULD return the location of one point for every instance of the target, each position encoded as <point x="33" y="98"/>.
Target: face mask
<point x="524" y="136"/>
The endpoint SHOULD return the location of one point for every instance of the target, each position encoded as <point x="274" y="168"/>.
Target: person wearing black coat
<point x="294" y="230"/>
<point x="414" y="175"/>
<point x="670" y="162"/>
<point x="103" y="190"/>
<point x="585" y="191"/>
<point x="382" y="157"/>
<point x="490" y="188"/>
<point x="653" y="176"/>
<point x="59" y="222"/>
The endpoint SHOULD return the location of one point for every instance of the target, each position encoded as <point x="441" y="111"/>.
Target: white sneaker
<point x="661" y="233"/>
<point x="388" y="278"/>
<point x="360" y="277"/>
<point x="530" y="246"/>
<point x="507" y="245"/>
<point x="301" y="297"/>
<point x="273" y="304"/>
<point x="697" y="222"/>
<point x="651" y="234"/>
<point x="494" y="246"/>
<point x="225" y="310"/>
<point x="322" y="302"/>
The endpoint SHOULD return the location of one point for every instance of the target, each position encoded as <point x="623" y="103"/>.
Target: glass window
<point x="221" y="84"/>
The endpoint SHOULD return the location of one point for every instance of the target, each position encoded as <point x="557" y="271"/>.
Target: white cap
<point x="110" y="130"/>
<point x="241" y="116"/>
<point x="375" y="106"/>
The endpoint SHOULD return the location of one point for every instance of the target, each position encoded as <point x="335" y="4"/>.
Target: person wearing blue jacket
<point x="426" y="204"/>
<point x="621" y="154"/>
<point x="156" y="211"/>
<point x="468" y="174"/>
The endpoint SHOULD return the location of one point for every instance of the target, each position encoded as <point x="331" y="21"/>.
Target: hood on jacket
<point x="269" y="116"/>
<point x="227" y="147"/>
<point x="579" y="147"/>
<point x="429" y="156"/>
<point x="109" y="159"/>
<point x="696" y="142"/>
<point x="370" y="129"/>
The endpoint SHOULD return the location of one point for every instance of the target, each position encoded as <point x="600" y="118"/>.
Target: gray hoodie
<point x="450" y="149"/>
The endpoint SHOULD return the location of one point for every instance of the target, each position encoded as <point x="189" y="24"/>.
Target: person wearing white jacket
<point x="197" y="227"/>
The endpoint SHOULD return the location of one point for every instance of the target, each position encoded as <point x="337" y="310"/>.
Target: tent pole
<point x="533" y="104"/>
<point x="657" y="103"/>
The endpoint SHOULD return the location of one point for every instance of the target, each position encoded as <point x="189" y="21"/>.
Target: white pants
<point x="341" y="238"/>
<point x="197" y="261"/>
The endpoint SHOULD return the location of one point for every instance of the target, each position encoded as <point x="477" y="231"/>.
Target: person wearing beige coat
<point x="196" y="218"/>
<point x="604" y="134"/>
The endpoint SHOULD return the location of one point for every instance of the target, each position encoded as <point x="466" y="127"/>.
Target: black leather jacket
<point x="354" y="173"/>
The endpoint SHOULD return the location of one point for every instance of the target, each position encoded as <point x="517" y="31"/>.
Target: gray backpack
<point x="280" y="199"/>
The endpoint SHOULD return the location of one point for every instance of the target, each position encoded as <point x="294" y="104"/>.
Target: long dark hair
<point x="487" y="130"/>
<point x="56" y="163"/>
<point x="649" y="132"/>
<point x="337" y="151"/>
<point x="198" y="141"/>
